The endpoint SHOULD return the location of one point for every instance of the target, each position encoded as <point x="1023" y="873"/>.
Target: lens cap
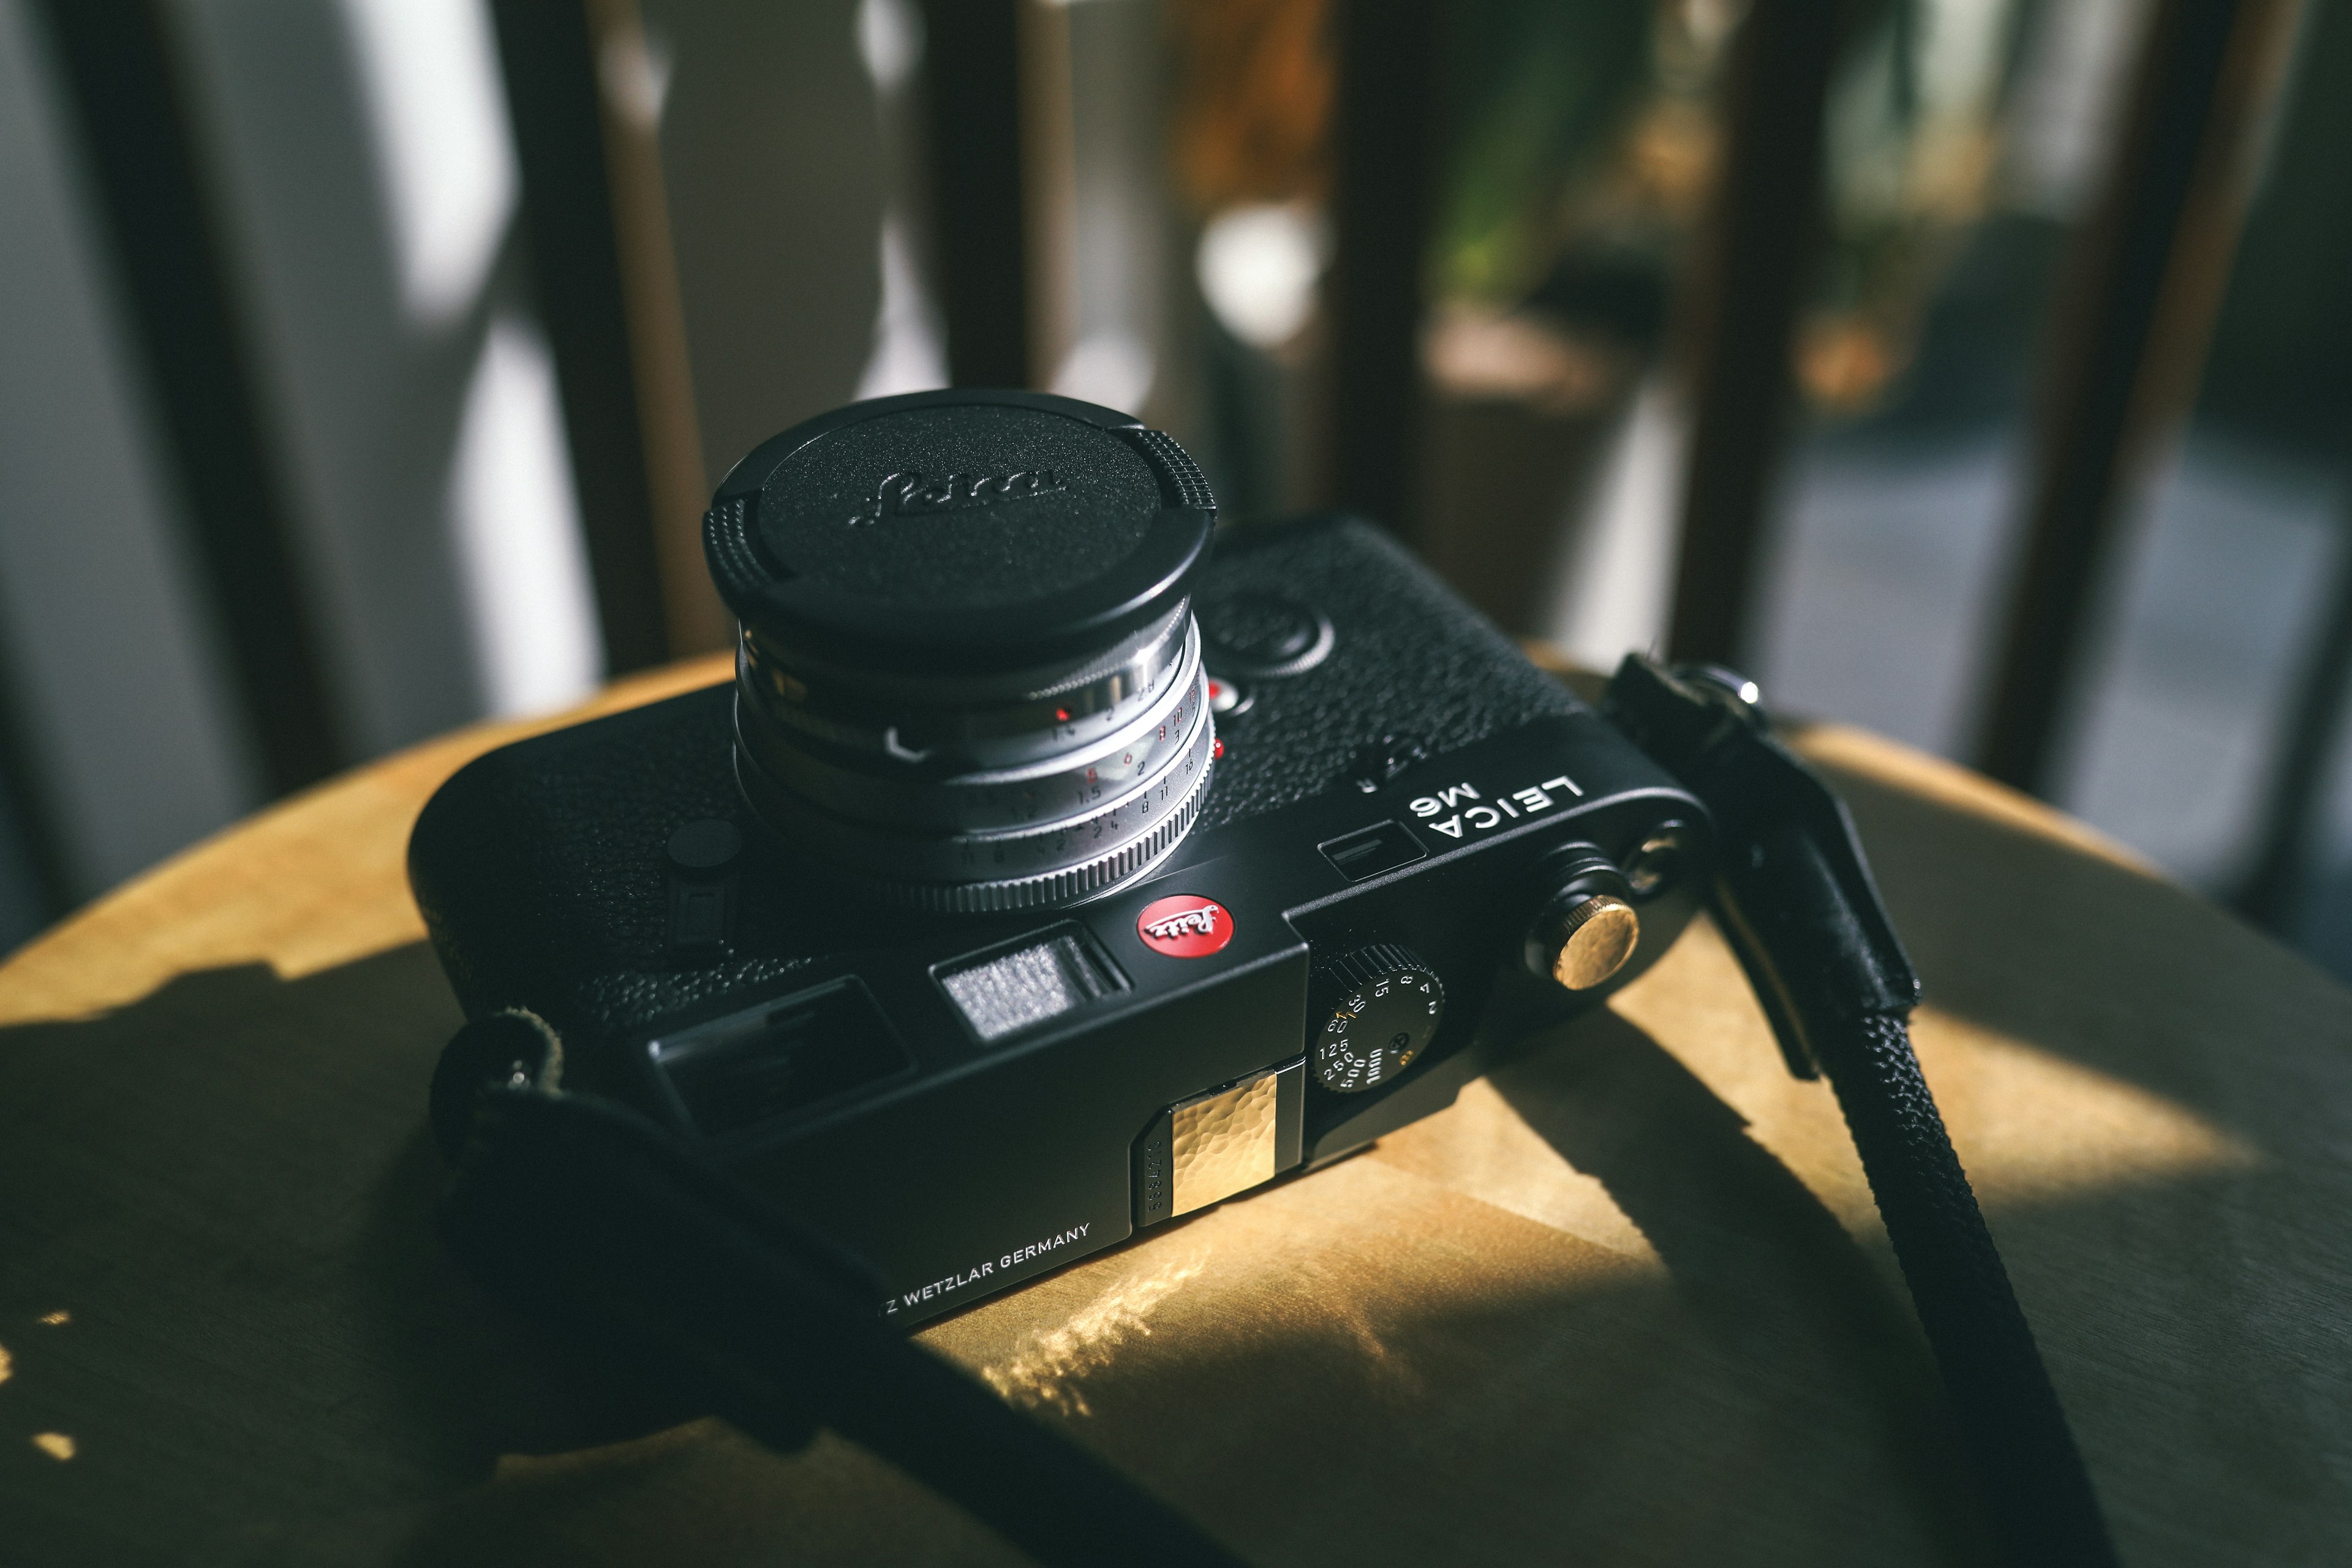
<point x="959" y="531"/>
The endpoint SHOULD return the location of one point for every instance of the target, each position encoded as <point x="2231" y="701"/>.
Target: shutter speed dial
<point x="1378" y="1008"/>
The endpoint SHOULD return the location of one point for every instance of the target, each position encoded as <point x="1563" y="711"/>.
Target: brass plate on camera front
<point x="1223" y="1144"/>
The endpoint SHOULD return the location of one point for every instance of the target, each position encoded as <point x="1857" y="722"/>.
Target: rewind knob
<point x="1377" y="1009"/>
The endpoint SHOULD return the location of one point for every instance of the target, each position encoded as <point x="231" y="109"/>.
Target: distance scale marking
<point x="1034" y="798"/>
<point x="1146" y="810"/>
<point x="998" y="736"/>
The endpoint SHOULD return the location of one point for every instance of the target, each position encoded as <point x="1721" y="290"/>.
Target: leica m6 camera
<point x="1057" y="864"/>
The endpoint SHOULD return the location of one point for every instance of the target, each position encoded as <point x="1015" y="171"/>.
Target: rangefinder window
<point x="779" y="1058"/>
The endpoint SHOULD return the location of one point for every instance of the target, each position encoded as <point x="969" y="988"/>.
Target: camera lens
<point x="967" y="675"/>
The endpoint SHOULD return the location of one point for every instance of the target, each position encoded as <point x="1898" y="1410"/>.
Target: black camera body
<point x="1412" y="851"/>
<point x="1055" y="867"/>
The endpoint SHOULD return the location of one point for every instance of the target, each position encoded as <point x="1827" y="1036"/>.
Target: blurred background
<point x="1978" y="370"/>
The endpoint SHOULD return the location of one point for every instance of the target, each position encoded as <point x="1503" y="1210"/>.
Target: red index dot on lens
<point x="1061" y="715"/>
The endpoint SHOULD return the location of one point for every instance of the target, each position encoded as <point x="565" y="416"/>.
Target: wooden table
<point x="1628" y="1301"/>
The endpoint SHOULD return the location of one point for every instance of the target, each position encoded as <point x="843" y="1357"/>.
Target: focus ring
<point x="1064" y="789"/>
<point x="1056" y="888"/>
<point x="951" y="872"/>
<point x="976" y="736"/>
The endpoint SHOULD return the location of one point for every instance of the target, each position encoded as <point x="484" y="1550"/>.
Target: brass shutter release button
<point x="1591" y="941"/>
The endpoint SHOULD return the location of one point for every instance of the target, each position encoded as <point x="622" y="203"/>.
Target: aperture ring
<point x="1067" y="786"/>
<point x="979" y="873"/>
<point x="1058" y="888"/>
<point x="983" y="733"/>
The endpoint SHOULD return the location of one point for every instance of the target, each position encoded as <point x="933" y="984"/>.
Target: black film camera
<point x="1042" y="877"/>
<point x="1046" y="873"/>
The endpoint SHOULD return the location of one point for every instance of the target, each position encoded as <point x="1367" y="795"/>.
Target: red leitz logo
<point x="1184" y="926"/>
<point x="909" y="494"/>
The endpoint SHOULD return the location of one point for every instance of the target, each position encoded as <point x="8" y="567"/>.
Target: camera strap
<point x="619" y="1245"/>
<point x="1795" y="900"/>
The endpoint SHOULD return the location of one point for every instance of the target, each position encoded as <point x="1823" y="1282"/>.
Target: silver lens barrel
<point x="1069" y="767"/>
<point x="972" y="721"/>
<point x="997" y="840"/>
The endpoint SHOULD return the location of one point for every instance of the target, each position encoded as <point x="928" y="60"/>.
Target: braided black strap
<point x="1795" y="900"/>
<point x="2001" y="1398"/>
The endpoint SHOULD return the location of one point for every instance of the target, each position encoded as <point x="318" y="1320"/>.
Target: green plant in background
<point x="1585" y="124"/>
<point x="1537" y="92"/>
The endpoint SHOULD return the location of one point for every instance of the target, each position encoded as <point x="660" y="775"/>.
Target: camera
<point x="1057" y="863"/>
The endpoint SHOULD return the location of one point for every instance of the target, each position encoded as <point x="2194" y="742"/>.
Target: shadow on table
<point x="1761" y="1266"/>
<point x="228" y="1188"/>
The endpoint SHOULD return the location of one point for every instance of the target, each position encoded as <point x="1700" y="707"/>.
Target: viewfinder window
<point x="780" y="1058"/>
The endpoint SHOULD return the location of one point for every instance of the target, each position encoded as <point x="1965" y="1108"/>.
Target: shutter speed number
<point x="1379" y="1031"/>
